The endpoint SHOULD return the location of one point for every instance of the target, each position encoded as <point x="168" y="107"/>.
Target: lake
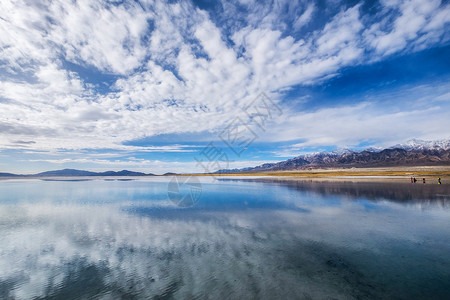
<point x="195" y="238"/>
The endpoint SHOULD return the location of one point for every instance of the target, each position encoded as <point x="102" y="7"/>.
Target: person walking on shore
<point x="439" y="180"/>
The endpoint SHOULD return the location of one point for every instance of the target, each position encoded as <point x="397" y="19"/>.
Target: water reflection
<point x="244" y="240"/>
<point x="407" y="193"/>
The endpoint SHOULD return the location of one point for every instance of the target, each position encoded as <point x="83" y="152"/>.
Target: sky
<point x="197" y="86"/>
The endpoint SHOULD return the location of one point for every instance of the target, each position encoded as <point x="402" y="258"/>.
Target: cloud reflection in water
<point x="147" y="249"/>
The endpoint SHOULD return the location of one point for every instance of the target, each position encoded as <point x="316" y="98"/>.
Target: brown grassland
<point x="355" y="174"/>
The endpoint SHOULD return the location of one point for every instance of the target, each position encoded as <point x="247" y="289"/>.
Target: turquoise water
<point x="228" y="239"/>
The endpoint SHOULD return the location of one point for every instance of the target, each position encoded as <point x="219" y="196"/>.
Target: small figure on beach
<point x="439" y="180"/>
<point x="412" y="180"/>
<point x="423" y="180"/>
<point x="415" y="179"/>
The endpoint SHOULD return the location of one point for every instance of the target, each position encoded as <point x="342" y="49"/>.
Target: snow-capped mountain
<point x="415" y="144"/>
<point x="412" y="153"/>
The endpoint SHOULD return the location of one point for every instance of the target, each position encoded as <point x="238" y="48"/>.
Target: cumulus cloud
<point x="176" y="68"/>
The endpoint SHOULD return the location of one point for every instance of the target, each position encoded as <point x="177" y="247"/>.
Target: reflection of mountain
<point x="414" y="153"/>
<point x="393" y="191"/>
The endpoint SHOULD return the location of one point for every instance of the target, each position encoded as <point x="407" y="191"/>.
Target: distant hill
<point x="8" y="175"/>
<point x="66" y="172"/>
<point x="413" y="153"/>
<point x="76" y="173"/>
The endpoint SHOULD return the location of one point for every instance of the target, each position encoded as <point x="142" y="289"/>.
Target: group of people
<point x="414" y="180"/>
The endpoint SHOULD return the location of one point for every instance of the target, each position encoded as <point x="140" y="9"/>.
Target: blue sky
<point x="149" y="85"/>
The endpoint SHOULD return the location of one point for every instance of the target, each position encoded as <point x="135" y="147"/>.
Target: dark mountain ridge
<point x="8" y="175"/>
<point x="77" y="173"/>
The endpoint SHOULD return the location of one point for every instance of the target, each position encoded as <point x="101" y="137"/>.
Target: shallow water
<point x="242" y="239"/>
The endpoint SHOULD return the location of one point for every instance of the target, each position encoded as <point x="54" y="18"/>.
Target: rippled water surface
<point x="243" y="239"/>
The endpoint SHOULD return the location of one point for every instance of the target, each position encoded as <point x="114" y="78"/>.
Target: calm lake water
<point x="229" y="239"/>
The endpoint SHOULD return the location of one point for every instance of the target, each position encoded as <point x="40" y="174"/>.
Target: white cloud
<point x="305" y="17"/>
<point x="133" y="162"/>
<point x="99" y="34"/>
<point x="342" y="32"/>
<point x="400" y="117"/>
<point x="420" y="22"/>
<point x="177" y="71"/>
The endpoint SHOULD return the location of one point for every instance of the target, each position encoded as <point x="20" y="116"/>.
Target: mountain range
<point x="413" y="153"/>
<point x="76" y="173"/>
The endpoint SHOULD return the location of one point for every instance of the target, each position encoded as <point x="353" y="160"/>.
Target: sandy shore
<point x="397" y="174"/>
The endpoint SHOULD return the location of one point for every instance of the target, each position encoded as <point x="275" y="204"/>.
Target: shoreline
<point x="381" y="174"/>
